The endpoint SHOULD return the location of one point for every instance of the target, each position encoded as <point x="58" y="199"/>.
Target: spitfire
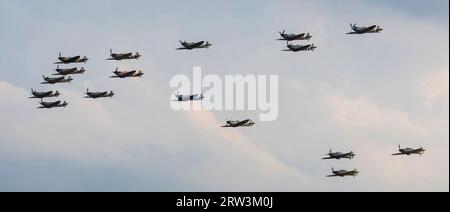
<point x="364" y="30"/>
<point x="297" y="48"/>
<point x="55" y="80"/>
<point x="123" y="56"/>
<point x="292" y="37"/>
<point x="410" y="151"/>
<point x="96" y="95"/>
<point x="235" y="124"/>
<point x="49" y="105"/>
<point x="69" y="71"/>
<point x="344" y="173"/>
<point x="185" y="98"/>
<point x="126" y="74"/>
<point x="68" y="60"/>
<point x="339" y="155"/>
<point x="42" y="95"/>
<point x="194" y="45"/>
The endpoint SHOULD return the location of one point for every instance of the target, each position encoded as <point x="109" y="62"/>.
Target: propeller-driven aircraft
<point x="194" y="45"/>
<point x="343" y="173"/>
<point x="68" y="71"/>
<point x="297" y="48"/>
<point x="55" y="80"/>
<point x="42" y="95"/>
<point x="96" y="95"/>
<point x="364" y="30"/>
<point x="49" y="105"/>
<point x="245" y="123"/>
<point x="292" y="37"/>
<point x="124" y="56"/>
<point x="186" y="98"/>
<point x="126" y="74"/>
<point x="68" y="60"/>
<point x="409" y="151"/>
<point x="339" y="155"/>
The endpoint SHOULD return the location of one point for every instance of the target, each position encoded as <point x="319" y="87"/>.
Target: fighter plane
<point x="409" y="151"/>
<point x="194" y="45"/>
<point x="123" y="56"/>
<point x="95" y="95"/>
<point x="50" y="80"/>
<point x="42" y="95"/>
<point x="185" y="98"/>
<point x="297" y="48"/>
<point x="49" y="105"/>
<point x="127" y="74"/>
<point x="68" y="60"/>
<point x="69" y="71"/>
<point x="343" y="173"/>
<point x="292" y="37"/>
<point x="339" y="155"/>
<point x="364" y="30"/>
<point x="245" y="123"/>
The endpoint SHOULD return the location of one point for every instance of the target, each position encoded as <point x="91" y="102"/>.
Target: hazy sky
<point x="363" y="93"/>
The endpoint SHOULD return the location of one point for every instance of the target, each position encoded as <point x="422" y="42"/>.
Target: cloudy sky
<point x="362" y="93"/>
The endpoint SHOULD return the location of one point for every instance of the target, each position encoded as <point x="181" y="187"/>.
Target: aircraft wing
<point x="334" y="175"/>
<point x="129" y="74"/>
<point x="327" y="158"/>
<point x="241" y="123"/>
<point x="398" y="154"/>
<point x="198" y="44"/>
<point x="371" y="28"/>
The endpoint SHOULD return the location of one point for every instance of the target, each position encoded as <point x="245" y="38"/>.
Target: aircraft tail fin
<point x="110" y="51"/>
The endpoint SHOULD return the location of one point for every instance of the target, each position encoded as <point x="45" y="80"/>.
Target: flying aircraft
<point x="55" y="80"/>
<point x="68" y="60"/>
<point x="292" y="37"/>
<point x="41" y="95"/>
<point x="194" y="45"/>
<point x="339" y="155"/>
<point x="49" y="105"/>
<point x="127" y="74"/>
<point x="185" y="98"/>
<point x="95" y="95"/>
<point x="123" y="56"/>
<point x="409" y="151"/>
<point x="297" y="48"/>
<point x="245" y="123"/>
<point x="69" y="71"/>
<point x="343" y="173"/>
<point x="364" y="30"/>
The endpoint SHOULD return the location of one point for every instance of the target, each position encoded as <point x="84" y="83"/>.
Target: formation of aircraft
<point x="68" y="60"/>
<point x="292" y="37"/>
<point x="126" y="74"/>
<point x="68" y="71"/>
<point x="364" y="30"/>
<point x="42" y="95"/>
<point x="297" y="48"/>
<point x="194" y="45"/>
<point x="185" y="98"/>
<point x="245" y="123"/>
<point x="55" y="80"/>
<point x="339" y="155"/>
<point x="49" y="105"/>
<point x="410" y="151"/>
<point x="96" y="95"/>
<point x="124" y="56"/>
<point x="344" y="173"/>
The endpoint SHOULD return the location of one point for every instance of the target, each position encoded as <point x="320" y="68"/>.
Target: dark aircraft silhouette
<point x="68" y="60"/>
<point x="297" y="48"/>
<point x="49" y="105"/>
<point x="409" y="151"/>
<point x="292" y="37"/>
<point x="343" y="173"/>
<point x="194" y="45"/>
<point x="126" y="74"/>
<point x="95" y="95"/>
<point x="245" y="123"/>
<point x="185" y="98"/>
<point x="339" y="155"/>
<point x="123" y="56"/>
<point x="55" y="80"/>
<point x="69" y="71"/>
<point x="364" y="30"/>
<point x="42" y="95"/>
